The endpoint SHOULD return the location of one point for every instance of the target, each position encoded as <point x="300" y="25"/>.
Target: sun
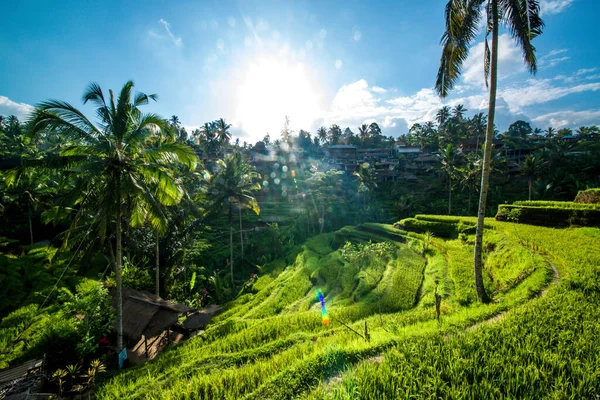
<point x="271" y="90"/>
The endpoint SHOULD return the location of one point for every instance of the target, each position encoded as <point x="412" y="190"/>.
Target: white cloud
<point x="549" y="7"/>
<point x="9" y="107"/>
<point x="585" y="71"/>
<point x="358" y="102"/>
<point x="231" y="22"/>
<point x="538" y="91"/>
<point x="569" y="119"/>
<point x="356" y="33"/>
<point x="551" y="59"/>
<point x="510" y="61"/>
<point x="338" y="64"/>
<point x="176" y="40"/>
<point x="220" y="45"/>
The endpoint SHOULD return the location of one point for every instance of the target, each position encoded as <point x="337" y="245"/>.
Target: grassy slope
<point x="271" y="343"/>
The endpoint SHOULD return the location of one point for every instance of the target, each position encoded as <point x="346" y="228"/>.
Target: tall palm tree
<point x="174" y="121"/>
<point x="368" y="180"/>
<point x="222" y="130"/>
<point x="111" y="162"/>
<point x="530" y="168"/>
<point x="234" y="185"/>
<point x="522" y="18"/>
<point x="449" y="161"/>
<point x="322" y="134"/>
<point x="442" y="115"/>
<point x="459" y="111"/>
<point x="550" y="132"/>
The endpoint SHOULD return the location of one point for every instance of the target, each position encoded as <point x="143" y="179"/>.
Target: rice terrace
<point x="370" y="212"/>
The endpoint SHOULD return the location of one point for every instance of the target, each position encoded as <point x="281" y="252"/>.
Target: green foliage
<point x="444" y="228"/>
<point x="589" y="196"/>
<point x="553" y="216"/>
<point x="92" y="311"/>
<point x="28" y="277"/>
<point x="558" y="204"/>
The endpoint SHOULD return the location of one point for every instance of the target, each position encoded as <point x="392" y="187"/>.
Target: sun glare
<point x="271" y="90"/>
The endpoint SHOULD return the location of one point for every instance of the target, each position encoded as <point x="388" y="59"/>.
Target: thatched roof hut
<point x="147" y="314"/>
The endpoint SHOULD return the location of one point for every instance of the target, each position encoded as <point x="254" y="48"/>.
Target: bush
<point x="548" y="216"/>
<point x="557" y="204"/>
<point x="591" y="196"/>
<point x="448" y="229"/>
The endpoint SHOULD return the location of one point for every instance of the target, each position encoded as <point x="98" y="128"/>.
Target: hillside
<point x="538" y="338"/>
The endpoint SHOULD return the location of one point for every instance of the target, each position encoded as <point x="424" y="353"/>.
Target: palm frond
<point x="172" y="153"/>
<point x="63" y="118"/>
<point x="524" y="23"/>
<point x="462" y="18"/>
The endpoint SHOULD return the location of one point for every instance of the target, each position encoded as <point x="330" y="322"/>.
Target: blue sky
<point x="253" y="62"/>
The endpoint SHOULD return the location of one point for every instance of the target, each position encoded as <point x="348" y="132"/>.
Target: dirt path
<point x="378" y="359"/>
<point x="500" y="316"/>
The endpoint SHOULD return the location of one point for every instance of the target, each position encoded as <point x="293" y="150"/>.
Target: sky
<point x="317" y="62"/>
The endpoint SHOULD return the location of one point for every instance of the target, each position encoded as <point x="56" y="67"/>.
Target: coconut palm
<point x="531" y="168"/>
<point x="322" y="135"/>
<point x="368" y="180"/>
<point x="174" y="121"/>
<point x="222" y="130"/>
<point x="442" y="115"/>
<point x="111" y="162"/>
<point x="522" y="18"/>
<point x="459" y="111"/>
<point x="550" y="132"/>
<point x="234" y="185"/>
<point x="363" y="132"/>
<point x="449" y="161"/>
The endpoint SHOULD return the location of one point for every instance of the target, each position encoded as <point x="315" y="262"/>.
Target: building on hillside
<point x="408" y="151"/>
<point x="377" y="154"/>
<point x="341" y="152"/>
<point x="472" y="144"/>
<point x="148" y="322"/>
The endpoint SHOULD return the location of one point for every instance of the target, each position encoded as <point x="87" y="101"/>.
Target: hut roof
<point x="147" y="314"/>
<point x="200" y="318"/>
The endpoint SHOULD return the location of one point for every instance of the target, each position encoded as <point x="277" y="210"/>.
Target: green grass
<point x="558" y="204"/>
<point x="270" y="343"/>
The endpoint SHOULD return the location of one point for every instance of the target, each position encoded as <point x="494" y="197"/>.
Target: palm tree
<point x="234" y="184"/>
<point x="442" y="115"/>
<point x="530" y="168"/>
<point x="174" y="121"/>
<point x="522" y="19"/>
<point x="550" y="132"/>
<point x="368" y="180"/>
<point x="322" y="134"/>
<point x="363" y="132"/>
<point x="459" y="111"/>
<point x="449" y="161"/>
<point x="112" y="162"/>
<point x="222" y="130"/>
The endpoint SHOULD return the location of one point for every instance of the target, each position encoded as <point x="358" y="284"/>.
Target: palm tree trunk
<point x="489" y="138"/>
<point x="241" y="232"/>
<point x="449" y="195"/>
<point x="469" y="209"/>
<point x="118" y="269"/>
<point x="157" y="256"/>
<point x="529" y="185"/>
<point x="231" y="242"/>
<point x="30" y="223"/>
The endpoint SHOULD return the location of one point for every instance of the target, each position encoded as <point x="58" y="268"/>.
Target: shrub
<point x="591" y="196"/>
<point x="557" y="204"/>
<point x="448" y="229"/>
<point x="548" y="216"/>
